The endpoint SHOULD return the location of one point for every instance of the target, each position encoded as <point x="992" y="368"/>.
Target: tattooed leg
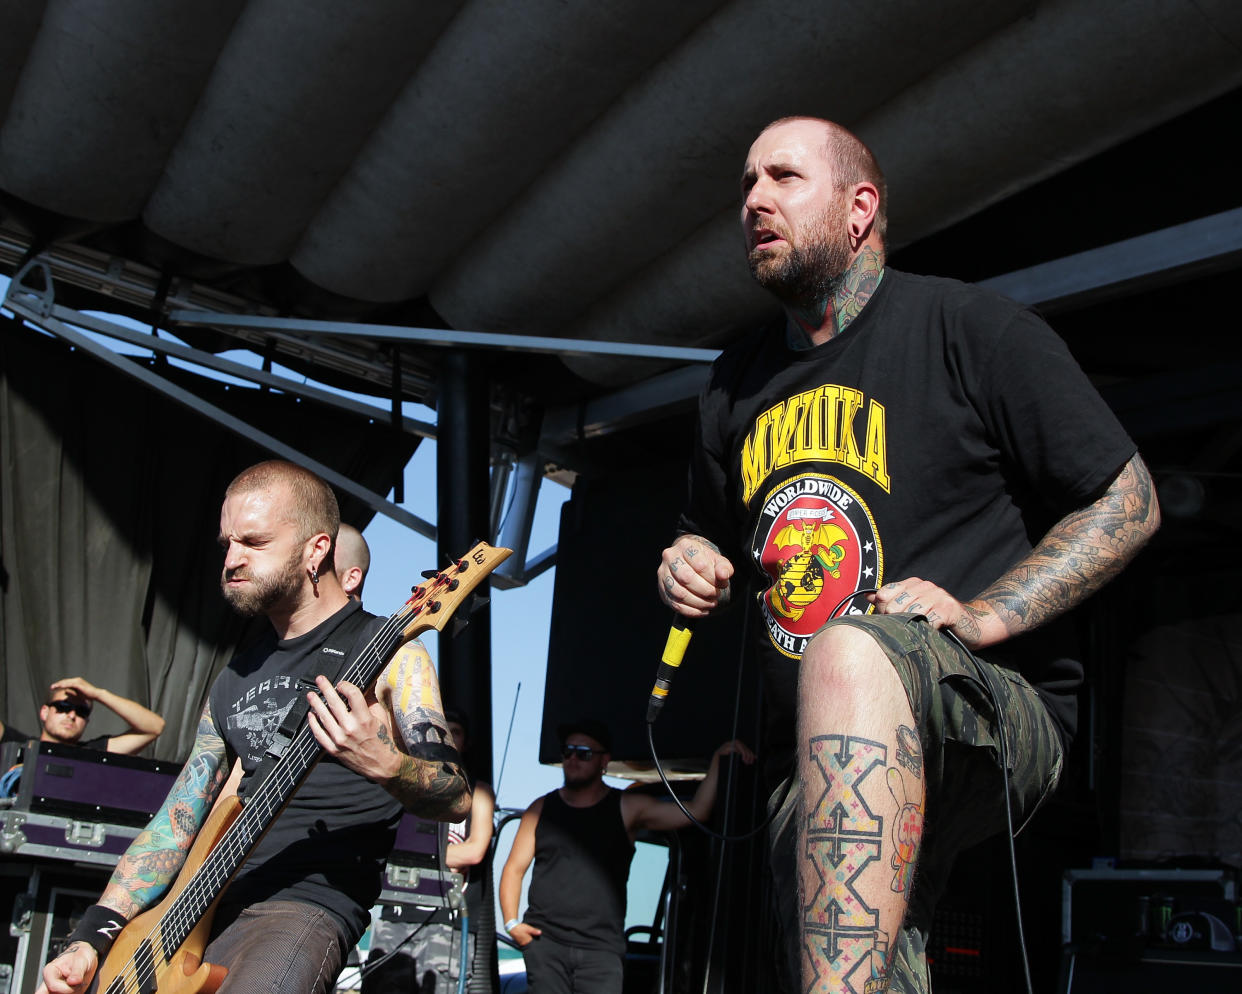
<point x="857" y="850"/>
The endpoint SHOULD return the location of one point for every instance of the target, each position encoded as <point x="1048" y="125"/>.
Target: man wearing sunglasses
<point x="581" y="839"/>
<point x="68" y="709"/>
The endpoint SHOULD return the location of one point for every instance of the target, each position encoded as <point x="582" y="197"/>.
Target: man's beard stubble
<point x="579" y="781"/>
<point x="265" y="591"/>
<point x="807" y="276"/>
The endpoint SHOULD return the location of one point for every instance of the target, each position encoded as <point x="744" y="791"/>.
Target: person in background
<point x="353" y="560"/>
<point x="581" y="840"/>
<point x="64" y="716"/>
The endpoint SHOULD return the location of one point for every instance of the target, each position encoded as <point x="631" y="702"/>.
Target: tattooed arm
<point x="156" y="855"/>
<point x="1080" y="553"/>
<point x="396" y="737"/>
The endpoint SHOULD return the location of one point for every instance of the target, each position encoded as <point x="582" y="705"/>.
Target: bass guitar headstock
<point x="433" y="602"/>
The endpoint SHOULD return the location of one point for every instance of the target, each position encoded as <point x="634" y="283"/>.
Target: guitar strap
<point x="341" y="643"/>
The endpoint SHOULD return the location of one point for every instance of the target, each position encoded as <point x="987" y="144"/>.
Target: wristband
<point x="98" y="928"/>
<point x="511" y="924"/>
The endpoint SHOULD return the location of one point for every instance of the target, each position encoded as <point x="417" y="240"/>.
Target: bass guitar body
<point x="139" y="962"/>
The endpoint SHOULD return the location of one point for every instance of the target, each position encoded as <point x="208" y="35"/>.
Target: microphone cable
<point x="674" y="650"/>
<point x="990" y="688"/>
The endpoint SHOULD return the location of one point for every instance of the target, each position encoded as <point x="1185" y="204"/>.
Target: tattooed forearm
<point x="431" y="789"/>
<point x="156" y="855"/>
<point x="1080" y="554"/>
<point x="429" y="782"/>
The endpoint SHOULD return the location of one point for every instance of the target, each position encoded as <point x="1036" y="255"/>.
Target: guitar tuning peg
<point x="430" y="574"/>
<point x="457" y="624"/>
<point x="477" y="601"/>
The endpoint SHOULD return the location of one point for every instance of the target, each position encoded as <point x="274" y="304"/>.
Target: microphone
<point x="674" y="651"/>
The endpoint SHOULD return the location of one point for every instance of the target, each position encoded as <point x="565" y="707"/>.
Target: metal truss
<point x="38" y="307"/>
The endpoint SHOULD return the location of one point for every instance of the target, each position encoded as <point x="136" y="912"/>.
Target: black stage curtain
<point x="109" y="512"/>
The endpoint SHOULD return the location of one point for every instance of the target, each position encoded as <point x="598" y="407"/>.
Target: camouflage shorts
<point x="957" y="726"/>
<point x="425" y="959"/>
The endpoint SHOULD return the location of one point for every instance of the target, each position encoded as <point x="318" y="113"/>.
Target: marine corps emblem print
<point x="816" y="541"/>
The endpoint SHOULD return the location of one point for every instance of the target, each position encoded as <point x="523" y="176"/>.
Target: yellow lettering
<point x="785" y="435"/>
<point x="822" y="443"/>
<point x="851" y="404"/>
<point x="756" y="461"/>
<point x="876" y="465"/>
<point x="815" y="426"/>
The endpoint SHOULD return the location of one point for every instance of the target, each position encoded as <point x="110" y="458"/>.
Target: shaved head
<point x="311" y="505"/>
<point x="852" y="161"/>
<point x="352" y="552"/>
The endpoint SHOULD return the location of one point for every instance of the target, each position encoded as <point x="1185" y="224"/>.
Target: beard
<point x="578" y="780"/>
<point x="806" y="276"/>
<point x="265" y="590"/>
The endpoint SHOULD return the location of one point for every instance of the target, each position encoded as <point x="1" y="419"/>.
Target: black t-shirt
<point x="328" y="847"/>
<point x="11" y="734"/>
<point x="582" y="864"/>
<point x="939" y="436"/>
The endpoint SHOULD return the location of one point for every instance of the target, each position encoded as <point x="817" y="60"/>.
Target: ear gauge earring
<point x="315" y="575"/>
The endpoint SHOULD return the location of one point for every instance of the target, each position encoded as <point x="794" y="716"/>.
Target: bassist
<point x="299" y="903"/>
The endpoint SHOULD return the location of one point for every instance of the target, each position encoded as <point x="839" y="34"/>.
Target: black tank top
<point x="582" y="863"/>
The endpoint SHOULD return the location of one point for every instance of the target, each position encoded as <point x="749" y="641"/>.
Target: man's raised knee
<point x="842" y="652"/>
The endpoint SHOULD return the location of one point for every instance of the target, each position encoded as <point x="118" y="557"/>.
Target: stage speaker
<point x="609" y="628"/>
<point x="1088" y="970"/>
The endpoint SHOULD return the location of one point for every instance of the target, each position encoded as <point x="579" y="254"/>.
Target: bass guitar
<point x="161" y="949"/>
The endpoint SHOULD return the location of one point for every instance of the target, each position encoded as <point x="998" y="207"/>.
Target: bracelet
<point x="98" y="928"/>
<point x="511" y="924"/>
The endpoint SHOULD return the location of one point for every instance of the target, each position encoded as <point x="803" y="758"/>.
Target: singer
<point x="818" y="442"/>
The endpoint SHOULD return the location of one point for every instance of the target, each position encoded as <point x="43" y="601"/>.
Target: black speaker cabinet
<point x="609" y="629"/>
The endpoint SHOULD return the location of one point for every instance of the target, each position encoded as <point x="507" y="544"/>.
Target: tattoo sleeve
<point x="1080" y="553"/>
<point x="158" y="852"/>
<point x="430" y="781"/>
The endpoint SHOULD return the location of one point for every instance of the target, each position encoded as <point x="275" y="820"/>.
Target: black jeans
<point x="555" y="968"/>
